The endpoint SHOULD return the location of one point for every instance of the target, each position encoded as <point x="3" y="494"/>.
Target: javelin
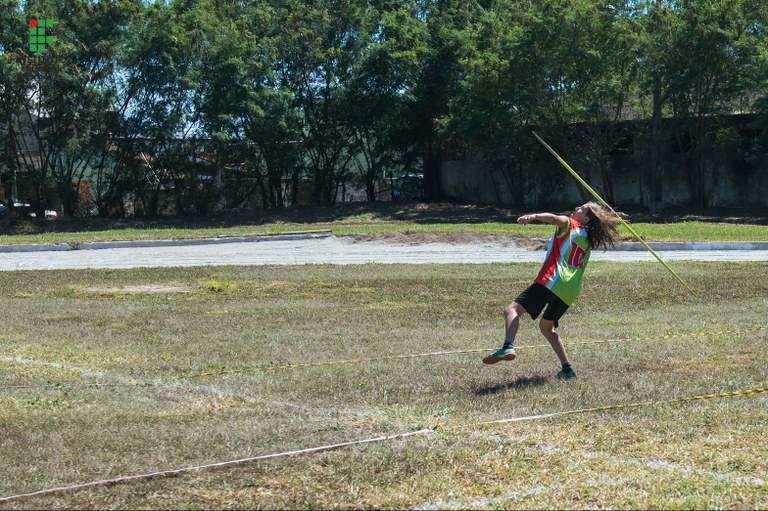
<point x="601" y="201"/>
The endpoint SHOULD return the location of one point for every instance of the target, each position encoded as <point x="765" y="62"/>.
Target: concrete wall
<point x="478" y="181"/>
<point x="729" y="182"/>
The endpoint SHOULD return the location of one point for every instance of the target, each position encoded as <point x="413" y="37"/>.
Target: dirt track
<point x="461" y="236"/>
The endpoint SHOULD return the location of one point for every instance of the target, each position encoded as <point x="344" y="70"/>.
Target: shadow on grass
<point x="370" y="213"/>
<point x="382" y="212"/>
<point x="520" y="383"/>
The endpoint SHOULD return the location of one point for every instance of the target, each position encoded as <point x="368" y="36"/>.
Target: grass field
<point x="101" y="376"/>
<point x="371" y="218"/>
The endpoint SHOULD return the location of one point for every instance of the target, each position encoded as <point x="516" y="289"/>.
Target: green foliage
<point x="133" y="93"/>
<point x="382" y="91"/>
<point x="703" y="58"/>
<point x="218" y="286"/>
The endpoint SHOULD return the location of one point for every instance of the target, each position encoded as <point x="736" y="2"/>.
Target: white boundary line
<point x="424" y="431"/>
<point x="127" y="381"/>
<point x="150" y="475"/>
<point x="653" y="464"/>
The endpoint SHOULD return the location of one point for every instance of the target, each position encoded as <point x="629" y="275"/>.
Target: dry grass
<point x="74" y="342"/>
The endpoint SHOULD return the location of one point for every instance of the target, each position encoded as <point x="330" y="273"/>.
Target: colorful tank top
<point x="567" y="256"/>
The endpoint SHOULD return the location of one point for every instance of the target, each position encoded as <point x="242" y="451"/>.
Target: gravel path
<point x="337" y="250"/>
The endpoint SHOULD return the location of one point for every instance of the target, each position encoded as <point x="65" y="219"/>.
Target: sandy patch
<point x="146" y="288"/>
<point x="461" y="236"/>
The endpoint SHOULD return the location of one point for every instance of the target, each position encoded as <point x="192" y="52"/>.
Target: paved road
<point x="291" y="250"/>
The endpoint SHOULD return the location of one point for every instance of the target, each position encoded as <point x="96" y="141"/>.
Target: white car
<point x="49" y="213"/>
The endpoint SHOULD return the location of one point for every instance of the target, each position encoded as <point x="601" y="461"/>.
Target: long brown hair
<point x="601" y="228"/>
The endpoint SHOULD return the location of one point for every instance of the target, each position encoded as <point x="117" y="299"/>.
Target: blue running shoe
<point x="499" y="355"/>
<point x="566" y="375"/>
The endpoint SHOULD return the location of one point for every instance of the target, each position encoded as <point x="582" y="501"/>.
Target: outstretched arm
<point x="561" y="221"/>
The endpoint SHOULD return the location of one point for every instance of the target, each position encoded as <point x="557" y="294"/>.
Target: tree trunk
<point x="370" y="184"/>
<point x="295" y="188"/>
<point x="432" y="172"/>
<point x="263" y="191"/>
<point x="655" y="174"/>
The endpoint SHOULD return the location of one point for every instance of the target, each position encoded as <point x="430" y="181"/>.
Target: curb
<point x="100" y="245"/>
<point x="704" y="246"/>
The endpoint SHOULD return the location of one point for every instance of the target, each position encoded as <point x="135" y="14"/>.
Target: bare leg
<point x="547" y="327"/>
<point x="512" y="321"/>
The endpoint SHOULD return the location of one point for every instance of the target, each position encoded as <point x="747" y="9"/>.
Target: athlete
<point x="559" y="281"/>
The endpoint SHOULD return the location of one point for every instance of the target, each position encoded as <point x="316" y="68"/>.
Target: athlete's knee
<point x="513" y="310"/>
<point x="547" y="326"/>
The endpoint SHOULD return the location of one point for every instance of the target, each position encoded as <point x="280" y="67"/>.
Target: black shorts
<point x="536" y="297"/>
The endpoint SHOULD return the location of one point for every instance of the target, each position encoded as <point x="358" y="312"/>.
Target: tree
<point x="699" y="71"/>
<point x="162" y="129"/>
<point x="758" y="97"/>
<point x="13" y="82"/>
<point x="525" y="64"/>
<point x="382" y="88"/>
<point x="422" y="136"/>
<point x="323" y="41"/>
<point x="59" y="113"/>
<point x="607" y="84"/>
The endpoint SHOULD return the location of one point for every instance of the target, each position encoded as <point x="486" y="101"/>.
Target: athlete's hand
<point x="526" y="219"/>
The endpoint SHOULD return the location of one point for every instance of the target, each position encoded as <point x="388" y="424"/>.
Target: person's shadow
<point x="520" y="383"/>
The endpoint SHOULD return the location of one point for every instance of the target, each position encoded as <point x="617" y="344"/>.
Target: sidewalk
<point x="318" y="234"/>
<point x="101" y="245"/>
<point x="323" y="248"/>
